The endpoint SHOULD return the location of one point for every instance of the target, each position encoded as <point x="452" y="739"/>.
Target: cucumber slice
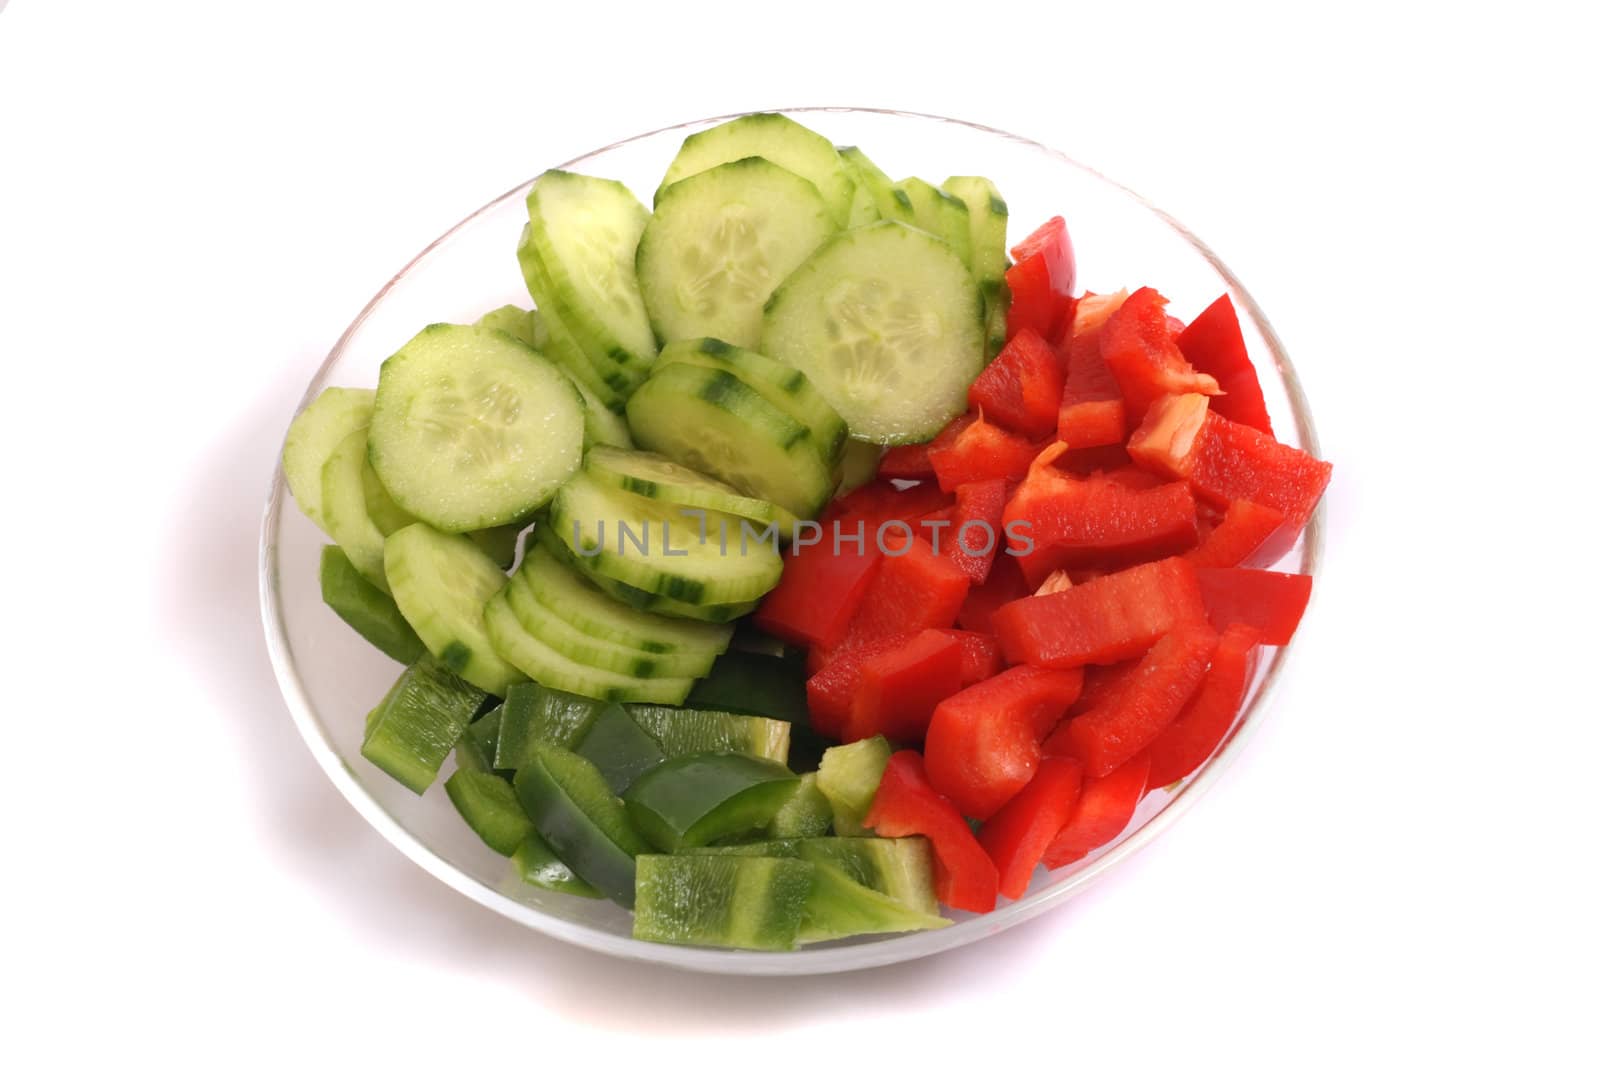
<point x="779" y="384"/>
<point x="720" y="241"/>
<point x="585" y="232"/>
<point x="747" y="902"/>
<point x="654" y="546"/>
<point x="750" y="683"/>
<point x="574" y="644"/>
<point x="473" y="429"/>
<point x="538" y="866"/>
<point x="887" y="324"/>
<point x="858" y="465"/>
<point x="561" y="589"/>
<point x="940" y="214"/>
<point x="987" y="216"/>
<point x="316" y="431"/>
<point x="344" y="509"/>
<point x="849" y="776"/>
<point x="807" y="814"/>
<point x="381" y="508"/>
<point x="658" y="478"/>
<point x="620" y="751"/>
<point x="489" y="805"/>
<point x="863" y="207"/>
<point x="601" y="425"/>
<point x="641" y="599"/>
<point x="520" y="323"/>
<point x="499" y="543"/>
<point x="892" y="203"/>
<point x="600" y="376"/>
<point x="694" y="800"/>
<point x="419" y="721"/>
<point x="368" y="610"/>
<point x="579" y="818"/>
<point x="441" y="583"/>
<point x="711" y="421"/>
<point x="688" y="731"/>
<point x="548" y="667"/>
<point x="535" y="715"/>
<point x="995" y="325"/>
<point x="776" y="138"/>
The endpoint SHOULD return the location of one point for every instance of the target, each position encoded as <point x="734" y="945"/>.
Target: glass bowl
<point x="330" y="677"/>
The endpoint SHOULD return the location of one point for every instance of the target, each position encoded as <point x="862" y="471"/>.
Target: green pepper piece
<point x="900" y="868"/>
<point x="693" y="800"/>
<point x="475" y="750"/>
<point x="848" y="777"/>
<point x="537" y="865"/>
<point x="368" y="610"/>
<point x="615" y="744"/>
<point x="688" y="731"/>
<point x="807" y="814"/>
<point x="725" y="901"/>
<point x="533" y="714"/>
<point x="583" y="823"/>
<point x="419" y="722"/>
<point x="839" y="906"/>
<point x="753" y="684"/>
<point x="489" y="805"/>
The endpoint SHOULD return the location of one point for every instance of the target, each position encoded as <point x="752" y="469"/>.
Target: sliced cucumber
<point x="561" y="589"/>
<point x="585" y="232"/>
<point x="489" y="805"/>
<point x="892" y="203"/>
<point x="601" y="376"/>
<point x="987" y="215"/>
<point x="381" y="508"/>
<point x="643" y="599"/>
<point x="687" y="731"/>
<point x="499" y="543"/>
<point x="658" y="478"/>
<point x="419" y="721"/>
<point x="472" y="429"/>
<point x="745" y="902"/>
<point x="654" y="546"/>
<point x="863" y="207"/>
<point x="995" y="324"/>
<point x="574" y="644"/>
<point x="537" y="660"/>
<point x="887" y="324"/>
<point x="711" y="421"/>
<point x="344" y="508"/>
<point x="316" y="431"/>
<point x="520" y="323"/>
<point x="940" y="214"/>
<point x="777" y="138"/>
<point x="779" y="384"/>
<point x="601" y="425"/>
<point x="858" y="465"/>
<point x="441" y="583"/>
<point x="368" y="610"/>
<point x="720" y="241"/>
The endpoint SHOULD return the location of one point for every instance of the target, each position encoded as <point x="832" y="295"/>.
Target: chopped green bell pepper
<point x="583" y="823"/>
<point x="694" y="800"/>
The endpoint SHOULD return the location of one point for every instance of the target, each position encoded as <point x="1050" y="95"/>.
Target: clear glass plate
<point x="330" y="677"/>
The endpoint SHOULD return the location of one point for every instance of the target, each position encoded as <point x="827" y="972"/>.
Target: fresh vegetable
<point x="1041" y="281"/>
<point x="726" y="901"/>
<point x="581" y="820"/>
<point x="1206" y="719"/>
<point x="905" y="804"/>
<point x="805" y="814"/>
<point x="1105" y="807"/>
<point x="1021" y="388"/>
<point x="848" y="777"/>
<point x="538" y="866"/>
<point x="320" y="427"/>
<point x="750" y="684"/>
<point x="1270" y="602"/>
<point x="1248" y="533"/>
<point x="1213" y="344"/>
<point x="619" y="749"/>
<point x="533" y="715"/>
<point x="694" y="800"/>
<point x="1138" y="349"/>
<point x="1019" y="833"/>
<point x="819" y="593"/>
<point x="413" y="729"/>
<point x="489" y="805"/>
<point x="368" y="610"/>
<point x="896" y="689"/>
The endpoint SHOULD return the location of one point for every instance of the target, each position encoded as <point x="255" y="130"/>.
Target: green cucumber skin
<point x="366" y="609"/>
<point x="579" y="647"/>
<point x="318" y="428"/>
<point x="642" y="599"/>
<point x="776" y="138"/>
<point x="418" y="723"/>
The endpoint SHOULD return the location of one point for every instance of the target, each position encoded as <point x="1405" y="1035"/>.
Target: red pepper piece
<point x="1202" y="725"/>
<point x="836" y="674"/>
<point x="1213" y="344"/>
<point x="1164" y="441"/>
<point x="1105" y="807"/>
<point x="983" y="743"/>
<point x="906" y="461"/>
<point x="1051" y="243"/>
<point x="980" y="656"/>
<point x="1019" y="833"/>
<point x="906" y="805"/>
<point x="1247" y="534"/>
<point x="915" y="589"/>
<point x="976" y="533"/>
<point x="1004" y="584"/>
<point x="1135" y="478"/>
<point x="1095" y="522"/>
<point x="818" y="595"/>
<point x="1092" y="412"/>
<point x="878" y="502"/>
<point x="1041" y="282"/>
<point x="1143" y="357"/>
<point x="898" y="688"/>
<point x="1099" y="460"/>
<point x="1106" y="620"/>
<point x="1127" y="716"/>
<point x="1020" y="389"/>
<point x="980" y="452"/>
<point x="1270" y="601"/>
<point x="1236" y="462"/>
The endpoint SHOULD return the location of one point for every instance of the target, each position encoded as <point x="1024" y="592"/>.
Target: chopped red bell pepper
<point x="836" y="674"/>
<point x="983" y="743"/>
<point x="1020" y="389"/>
<point x="975" y="533"/>
<point x="980" y="452"/>
<point x="818" y="595"/>
<point x="1213" y="344"/>
<point x="1105" y="807"/>
<point x="1004" y="584"/>
<point x="1019" y="833"/>
<point x="1237" y="462"/>
<point x="980" y="656"/>
<point x="898" y="688"/>
<point x="906" y="461"/>
<point x="1143" y="357"/>
<point x="1041" y="282"/>
<point x="1270" y="601"/>
<point x="1202" y="725"/>
<point x="1103" y="621"/>
<point x="1092" y="412"/>
<point x="906" y="805"/>
<point x="1099" y="460"/>
<point x="1095" y="522"/>
<point x="1164" y="442"/>
<point x="1127" y="716"/>
<point x="1248" y="533"/>
<point x="880" y="501"/>
<point x="915" y="589"/>
<point x="1094" y="309"/>
<point x="1053" y="244"/>
<point x="1135" y="478"/>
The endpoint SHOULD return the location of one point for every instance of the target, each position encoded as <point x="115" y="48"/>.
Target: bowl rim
<point x="819" y="959"/>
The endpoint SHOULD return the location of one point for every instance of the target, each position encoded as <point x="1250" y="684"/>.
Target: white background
<point x="195" y="198"/>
